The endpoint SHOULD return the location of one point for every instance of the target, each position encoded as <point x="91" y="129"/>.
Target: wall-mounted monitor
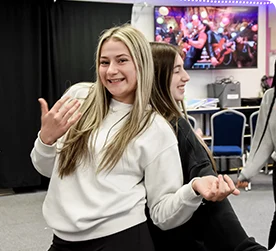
<point x="211" y="37"/>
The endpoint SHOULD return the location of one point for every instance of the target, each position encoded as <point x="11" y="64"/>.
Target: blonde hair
<point x="164" y="57"/>
<point x="96" y="106"/>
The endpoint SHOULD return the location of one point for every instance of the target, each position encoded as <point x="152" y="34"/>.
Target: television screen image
<point x="211" y="37"/>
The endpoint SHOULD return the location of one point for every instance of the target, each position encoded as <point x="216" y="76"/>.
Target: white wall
<point x="272" y="30"/>
<point x="272" y="26"/>
<point x="142" y="18"/>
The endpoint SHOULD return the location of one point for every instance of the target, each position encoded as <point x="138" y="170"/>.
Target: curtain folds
<point x="45" y="47"/>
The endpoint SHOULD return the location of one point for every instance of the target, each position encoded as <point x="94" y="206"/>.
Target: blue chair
<point x="227" y="130"/>
<point x="192" y="121"/>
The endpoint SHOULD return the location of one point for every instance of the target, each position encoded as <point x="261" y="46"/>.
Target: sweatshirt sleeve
<point x="170" y="203"/>
<point x="257" y="159"/>
<point x="43" y="157"/>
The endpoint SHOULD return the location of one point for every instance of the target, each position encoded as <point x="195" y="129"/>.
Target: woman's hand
<point x="242" y="184"/>
<point x="214" y="188"/>
<point x="57" y="121"/>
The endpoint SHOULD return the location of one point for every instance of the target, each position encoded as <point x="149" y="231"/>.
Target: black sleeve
<point x="209" y="44"/>
<point x="194" y="158"/>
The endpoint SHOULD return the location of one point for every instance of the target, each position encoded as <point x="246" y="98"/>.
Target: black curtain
<point x="45" y="47"/>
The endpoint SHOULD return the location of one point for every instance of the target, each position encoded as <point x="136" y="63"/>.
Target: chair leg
<point x="266" y="168"/>
<point x="219" y="164"/>
<point x="246" y="155"/>
<point x="243" y="164"/>
<point x="238" y="172"/>
<point x="243" y="160"/>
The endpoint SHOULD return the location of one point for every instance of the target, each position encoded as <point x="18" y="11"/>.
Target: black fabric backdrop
<point x="45" y="47"/>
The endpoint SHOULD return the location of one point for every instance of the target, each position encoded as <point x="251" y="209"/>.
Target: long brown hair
<point x="78" y="146"/>
<point x="164" y="57"/>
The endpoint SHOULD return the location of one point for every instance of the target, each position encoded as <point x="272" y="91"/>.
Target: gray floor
<point x="24" y="229"/>
<point x="255" y="209"/>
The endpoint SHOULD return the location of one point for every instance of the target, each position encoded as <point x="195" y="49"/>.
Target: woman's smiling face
<point x="117" y="71"/>
<point x="179" y="79"/>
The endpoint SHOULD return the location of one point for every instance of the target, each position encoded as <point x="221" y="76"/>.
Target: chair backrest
<point x="227" y="128"/>
<point x="192" y="121"/>
<point x="252" y="122"/>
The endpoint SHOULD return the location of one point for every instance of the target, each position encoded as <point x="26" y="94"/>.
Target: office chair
<point x="192" y="121"/>
<point x="227" y="130"/>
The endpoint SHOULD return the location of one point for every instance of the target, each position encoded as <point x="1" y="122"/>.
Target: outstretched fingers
<point x="66" y="114"/>
<point x="59" y="104"/>
<point x="57" y="121"/>
<point x="231" y="185"/>
<point x="44" y="106"/>
<point x="68" y="111"/>
<point x="63" y="112"/>
<point x="222" y="189"/>
<point x="225" y="187"/>
<point x="214" y="190"/>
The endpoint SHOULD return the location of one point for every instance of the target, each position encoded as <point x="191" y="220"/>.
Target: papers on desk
<point x="202" y="103"/>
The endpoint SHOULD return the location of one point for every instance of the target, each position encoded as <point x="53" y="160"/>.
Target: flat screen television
<point x="211" y="37"/>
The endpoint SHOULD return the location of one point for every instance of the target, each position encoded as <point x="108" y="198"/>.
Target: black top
<point x="193" y="52"/>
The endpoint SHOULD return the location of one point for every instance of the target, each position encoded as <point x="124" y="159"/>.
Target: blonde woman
<point x="108" y="153"/>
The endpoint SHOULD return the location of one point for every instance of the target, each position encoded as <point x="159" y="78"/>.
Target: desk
<point x="203" y="110"/>
<point x="244" y="107"/>
<point x="205" y="114"/>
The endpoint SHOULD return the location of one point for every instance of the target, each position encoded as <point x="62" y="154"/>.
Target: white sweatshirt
<point x="87" y="205"/>
<point x="257" y="160"/>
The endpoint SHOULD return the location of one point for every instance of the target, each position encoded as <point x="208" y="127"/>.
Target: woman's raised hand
<point x="215" y="188"/>
<point x="56" y="121"/>
<point x="242" y="184"/>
